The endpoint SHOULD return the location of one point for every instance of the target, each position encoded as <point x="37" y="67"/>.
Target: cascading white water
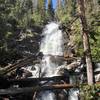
<point x="53" y="40"/>
<point x="52" y="46"/>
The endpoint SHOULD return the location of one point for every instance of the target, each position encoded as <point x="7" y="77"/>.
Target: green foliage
<point x="15" y="16"/>
<point x="41" y="10"/>
<point x="50" y="10"/>
<point x="93" y="16"/>
<point x="20" y="15"/>
<point x="36" y="18"/>
<point x="88" y="92"/>
<point x="95" y="47"/>
<point x="94" y="43"/>
<point x="61" y="15"/>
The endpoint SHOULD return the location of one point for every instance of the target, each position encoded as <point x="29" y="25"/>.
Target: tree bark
<point x="21" y="63"/>
<point x="25" y="90"/>
<point x="86" y="45"/>
<point x="35" y="80"/>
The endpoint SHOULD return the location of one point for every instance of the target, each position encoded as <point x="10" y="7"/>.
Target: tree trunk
<point x="59" y="4"/>
<point x="24" y="90"/>
<point x="86" y="45"/>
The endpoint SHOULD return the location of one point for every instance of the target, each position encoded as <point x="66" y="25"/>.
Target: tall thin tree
<point x="86" y="45"/>
<point x="41" y="8"/>
<point x="50" y="10"/>
<point x="59" y="3"/>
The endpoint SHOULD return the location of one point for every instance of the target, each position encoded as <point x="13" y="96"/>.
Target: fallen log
<point x="21" y="63"/>
<point x="63" y="58"/>
<point x="25" y="90"/>
<point x="27" y="61"/>
<point x="36" y="80"/>
<point x="70" y="66"/>
<point x="14" y="91"/>
<point x="27" y="82"/>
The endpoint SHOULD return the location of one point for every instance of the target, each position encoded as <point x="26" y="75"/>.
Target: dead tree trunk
<point x="15" y="91"/>
<point x="86" y="45"/>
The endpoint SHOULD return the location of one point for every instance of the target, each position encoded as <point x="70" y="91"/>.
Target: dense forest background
<point x="22" y="22"/>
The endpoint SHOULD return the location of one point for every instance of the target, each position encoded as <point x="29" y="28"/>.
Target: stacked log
<point x="20" y="63"/>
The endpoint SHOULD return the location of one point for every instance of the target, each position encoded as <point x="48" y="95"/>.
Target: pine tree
<point x="50" y="10"/>
<point x="70" y="6"/>
<point x="60" y="11"/>
<point x="86" y="44"/>
<point x="41" y="8"/>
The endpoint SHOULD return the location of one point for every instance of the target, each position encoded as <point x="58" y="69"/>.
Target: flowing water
<point x="52" y="46"/>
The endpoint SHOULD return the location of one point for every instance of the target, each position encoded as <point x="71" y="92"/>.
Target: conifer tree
<point x="70" y="7"/>
<point x="50" y="10"/>
<point x="86" y="44"/>
<point x="41" y="8"/>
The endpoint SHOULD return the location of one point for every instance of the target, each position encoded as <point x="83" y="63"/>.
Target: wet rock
<point x="22" y="73"/>
<point x="4" y="83"/>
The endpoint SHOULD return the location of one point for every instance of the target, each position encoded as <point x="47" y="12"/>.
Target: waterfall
<point x="53" y="40"/>
<point x="52" y="46"/>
